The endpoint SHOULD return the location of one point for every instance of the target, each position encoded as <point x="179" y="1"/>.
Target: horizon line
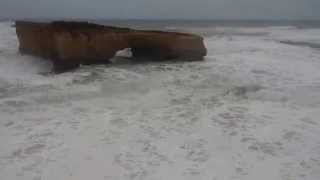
<point x="158" y="19"/>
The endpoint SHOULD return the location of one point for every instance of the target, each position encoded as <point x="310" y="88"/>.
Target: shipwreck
<point x="70" y="44"/>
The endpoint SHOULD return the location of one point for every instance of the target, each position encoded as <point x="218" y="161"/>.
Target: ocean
<point x="249" y="111"/>
<point x="209" y="23"/>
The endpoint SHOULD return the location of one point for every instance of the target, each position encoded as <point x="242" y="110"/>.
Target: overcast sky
<point x="161" y="9"/>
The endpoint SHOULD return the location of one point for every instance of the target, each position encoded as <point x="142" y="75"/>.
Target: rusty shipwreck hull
<point x="69" y="44"/>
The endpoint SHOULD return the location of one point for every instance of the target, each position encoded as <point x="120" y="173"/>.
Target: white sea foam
<point x="249" y="111"/>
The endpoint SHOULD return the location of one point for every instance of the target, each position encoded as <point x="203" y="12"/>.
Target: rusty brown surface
<point x="69" y="44"/>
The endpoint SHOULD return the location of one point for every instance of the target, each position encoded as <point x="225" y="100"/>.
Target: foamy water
<point x="249" y="111"/>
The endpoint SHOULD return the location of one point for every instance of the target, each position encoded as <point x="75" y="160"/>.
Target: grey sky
<point x="161" y="9"/>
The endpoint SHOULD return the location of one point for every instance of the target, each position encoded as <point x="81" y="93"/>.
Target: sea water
<point x="249" y="111"/>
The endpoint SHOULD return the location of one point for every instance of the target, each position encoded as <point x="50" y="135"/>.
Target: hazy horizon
<point x="158" y="19"/>
<point x="162" y="10"/>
